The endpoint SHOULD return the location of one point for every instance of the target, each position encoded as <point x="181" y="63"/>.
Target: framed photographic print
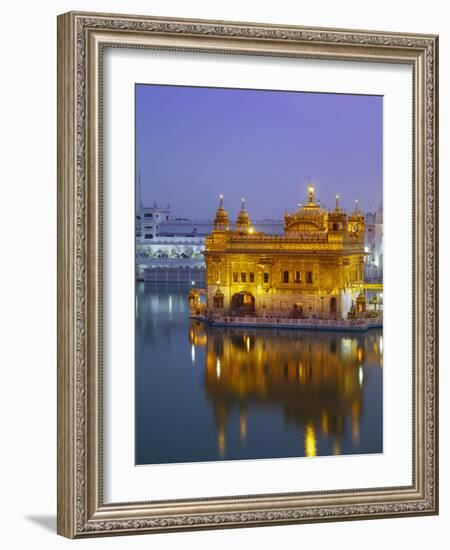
<point x="247" y="287"/>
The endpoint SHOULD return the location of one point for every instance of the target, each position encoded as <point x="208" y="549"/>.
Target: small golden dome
<point x="356" y="223"/>
<point x="337" y="208"/>
<point x="337" y="218"/>
<point x="243" y="219"/>
<point x="221" y="222"/>
<point x="357" y="214"/>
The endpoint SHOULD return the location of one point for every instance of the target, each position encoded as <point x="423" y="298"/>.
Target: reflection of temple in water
<point x="315" y="379"/>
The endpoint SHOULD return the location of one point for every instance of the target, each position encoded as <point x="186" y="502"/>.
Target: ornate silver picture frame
<point x="82" y="41"/>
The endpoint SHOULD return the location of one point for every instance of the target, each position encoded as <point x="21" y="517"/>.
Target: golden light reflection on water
<point x="310" y="440"/>
<point x="324" y="423"/>
<point x="356" y="412"/>
<point x="336" y="447"/>
<point x="221" y="442"/>
<point x="243" y="426"/>
<point x="316" y="380"/>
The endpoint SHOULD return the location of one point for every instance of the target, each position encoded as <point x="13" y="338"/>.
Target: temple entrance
<point x="243" y="303"/>
<point x="333" y="305"/>
<point x="297" y="312"/>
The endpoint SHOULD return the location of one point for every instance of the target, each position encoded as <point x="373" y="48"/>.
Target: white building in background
<point x="149" y="220"/>
<point x="374" y="245"/>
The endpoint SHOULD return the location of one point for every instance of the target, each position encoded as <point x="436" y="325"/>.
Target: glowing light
<point x="381" y="344"/>
<point x="366" y="249"/>
<point x="218" y="368"/>
<point x="346" y="345"/>
<point x="310" y="440"/>
<point x="251" y="230"/>
<point x="360" y="375"/>
<point x="193" y="353"/>
<point x="247" y="343"/>
<point x="192" y="283"/>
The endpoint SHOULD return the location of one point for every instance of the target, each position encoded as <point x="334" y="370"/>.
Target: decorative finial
<point x="356" y="205"/>
<point x="242" y="204"/>
<point x="311" y="194"/>
<point x="337" y="201"/>
<point x="221" y="222"/>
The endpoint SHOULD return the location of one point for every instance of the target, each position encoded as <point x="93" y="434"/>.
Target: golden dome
<point x="308" y="217"/>
<point x="243" y="219"/>
<point x="221" y="222"/>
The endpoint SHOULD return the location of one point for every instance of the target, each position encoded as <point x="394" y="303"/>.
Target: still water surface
<point x="206" y="393"/>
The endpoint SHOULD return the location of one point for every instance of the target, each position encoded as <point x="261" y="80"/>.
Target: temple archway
<point x="333" y="305"/>
<point x="297" y="311"/>
<point x="243" y="303"/>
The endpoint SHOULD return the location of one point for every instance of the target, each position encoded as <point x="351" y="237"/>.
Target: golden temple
<point x="314" y="270"/>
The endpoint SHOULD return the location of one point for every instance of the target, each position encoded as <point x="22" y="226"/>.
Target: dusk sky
<point x="194" y="143"/>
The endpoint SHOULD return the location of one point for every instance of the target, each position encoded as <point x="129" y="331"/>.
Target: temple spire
<point x="243" y="223"/>
<point x="221" y="222"/>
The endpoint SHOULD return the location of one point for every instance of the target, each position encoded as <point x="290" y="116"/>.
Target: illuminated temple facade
<point x="314" y="270"/>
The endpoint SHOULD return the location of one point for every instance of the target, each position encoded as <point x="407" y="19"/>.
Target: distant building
<point x="374" y="245"/>
<point x="148" y="221"/>
<point x="314" y="269"/>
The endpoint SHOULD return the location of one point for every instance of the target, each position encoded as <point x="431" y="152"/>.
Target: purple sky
<point x="194" y="143"/>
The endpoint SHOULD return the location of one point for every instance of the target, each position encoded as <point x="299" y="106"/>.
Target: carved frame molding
<point x="81" y="39"/>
